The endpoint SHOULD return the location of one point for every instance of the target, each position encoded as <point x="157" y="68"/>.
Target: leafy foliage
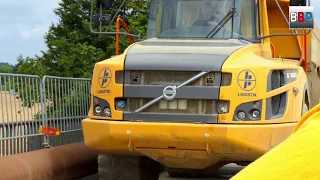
<point x="6" y="68"/>
<point x="30" y="66"/>
<point x="73" y="49"/>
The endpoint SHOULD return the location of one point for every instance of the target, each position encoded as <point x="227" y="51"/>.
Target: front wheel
<point x="127" y="168"/>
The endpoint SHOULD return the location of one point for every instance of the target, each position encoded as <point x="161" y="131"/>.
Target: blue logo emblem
<point x="104" y="78"/>
<point x="247" y="80"/>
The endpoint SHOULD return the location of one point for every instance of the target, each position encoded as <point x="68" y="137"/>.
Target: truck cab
<point x="209" y="86"/>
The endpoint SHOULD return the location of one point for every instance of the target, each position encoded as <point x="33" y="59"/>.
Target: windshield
<point x="215" y="19"/>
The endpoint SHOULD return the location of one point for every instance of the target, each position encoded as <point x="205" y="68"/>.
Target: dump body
<point x="193" y="102"/>
<point x="291" y="47"/>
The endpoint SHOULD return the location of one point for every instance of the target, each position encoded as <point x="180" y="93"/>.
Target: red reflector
<point x="49" y="131"/>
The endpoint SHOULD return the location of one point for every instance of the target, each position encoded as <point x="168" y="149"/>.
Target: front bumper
<point x="185" y="145"/>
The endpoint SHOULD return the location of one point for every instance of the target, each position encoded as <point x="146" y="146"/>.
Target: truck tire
<point x="112" y="167"/>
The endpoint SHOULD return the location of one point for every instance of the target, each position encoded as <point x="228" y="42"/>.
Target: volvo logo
<point x="169" y="92"/>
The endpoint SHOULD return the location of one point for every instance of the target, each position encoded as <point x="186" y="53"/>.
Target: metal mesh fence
<point x="67" y="104"/>
<point x="28" y="102"/>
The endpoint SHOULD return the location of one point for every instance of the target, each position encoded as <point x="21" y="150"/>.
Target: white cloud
<point x="23" y="26"/>
<point x="37" y="31"/>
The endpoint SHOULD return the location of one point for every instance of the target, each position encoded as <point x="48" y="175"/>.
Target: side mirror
<point x="298" y="2"/>
<point x="106" y="4"/>
<point x="105" y="19"/>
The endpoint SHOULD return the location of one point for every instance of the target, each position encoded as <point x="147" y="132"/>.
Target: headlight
<point x="107" y="112"/>
<point x="101" y="107"/>
<point x="255" y="114"/>
<point x="97" y="109"/>
<point x="250" y="111"/>
<point x="241" y="115"/>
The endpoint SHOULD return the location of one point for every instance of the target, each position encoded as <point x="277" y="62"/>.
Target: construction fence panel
<point x="67" y="103"/>
<point x="20" y="113"/>
<point x="28" y="102"/>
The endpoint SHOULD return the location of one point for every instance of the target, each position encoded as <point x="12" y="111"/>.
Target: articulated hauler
<point x="215" y="82"/>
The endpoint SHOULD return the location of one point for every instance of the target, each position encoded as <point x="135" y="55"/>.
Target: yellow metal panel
<point x="251" y="58"/>
<point x="264" y="24"/>
<point x="112" y="90"/>
<point x="165" y="141"/>
<point x="295" y="158"/>
<point x="279" y="135"/>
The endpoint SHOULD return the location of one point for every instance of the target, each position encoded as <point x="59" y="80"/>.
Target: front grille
<point x="168" y="78"/>
<point x="190" y="106"/>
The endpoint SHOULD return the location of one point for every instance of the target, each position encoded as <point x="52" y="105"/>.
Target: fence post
<point x="43" y="96"/>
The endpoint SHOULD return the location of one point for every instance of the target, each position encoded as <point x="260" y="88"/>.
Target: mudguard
<point x="295" y="158"/>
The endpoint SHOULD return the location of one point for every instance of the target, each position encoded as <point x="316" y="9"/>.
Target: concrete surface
<point x="224" y="173"/>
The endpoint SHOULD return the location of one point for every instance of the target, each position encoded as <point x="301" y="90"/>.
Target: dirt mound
<point x="11" y="109"/>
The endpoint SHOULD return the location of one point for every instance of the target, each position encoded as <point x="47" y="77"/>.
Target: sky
<point x="25" y="22"/>
<point x="23" y="26"/>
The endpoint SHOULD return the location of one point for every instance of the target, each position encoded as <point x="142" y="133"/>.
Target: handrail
<point x="273" y="50"/>
<point x="304" y="52"/>
<point x="119" y="20"/>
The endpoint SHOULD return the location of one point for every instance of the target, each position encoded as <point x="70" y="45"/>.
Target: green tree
<point x="6" y="69"/>
<point x="73" y="49"/>
<point x="31" y="66"/>
<point x="20" y="60"/>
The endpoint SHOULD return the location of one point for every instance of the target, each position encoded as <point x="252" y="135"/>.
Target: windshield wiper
<point x="246" y="39"/>
<point x="224" y="21"/>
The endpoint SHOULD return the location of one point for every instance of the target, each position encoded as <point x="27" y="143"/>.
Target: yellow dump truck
<point x="215" y="82"/>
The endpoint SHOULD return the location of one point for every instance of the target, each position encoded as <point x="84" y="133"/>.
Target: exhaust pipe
<point x="71" y="161"/>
